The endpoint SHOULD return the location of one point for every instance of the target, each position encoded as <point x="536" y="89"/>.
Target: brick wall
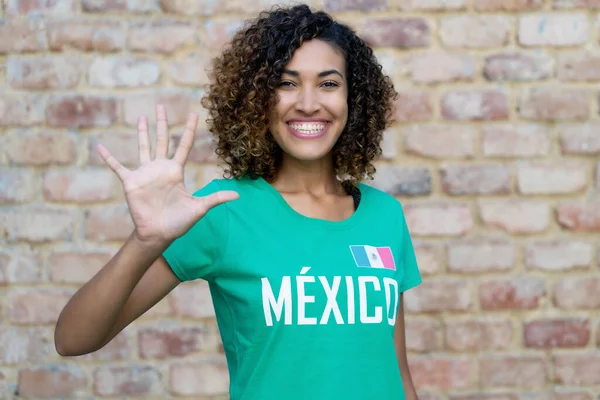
<point x="495" y="156"/>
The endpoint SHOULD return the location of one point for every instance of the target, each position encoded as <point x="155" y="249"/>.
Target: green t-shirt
<point x="305" y="307"/>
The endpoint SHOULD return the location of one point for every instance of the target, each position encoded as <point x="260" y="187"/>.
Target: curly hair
<point x="243" y="90"/>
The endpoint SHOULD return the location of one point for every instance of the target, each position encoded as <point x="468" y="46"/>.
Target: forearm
<point x="90" y="314"/>
<point x="409" y="387"/>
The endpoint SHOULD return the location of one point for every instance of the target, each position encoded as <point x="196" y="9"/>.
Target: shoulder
<point x="380" y="199"/>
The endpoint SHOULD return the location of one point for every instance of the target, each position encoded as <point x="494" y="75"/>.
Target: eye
<point x="285" y="84"/>
<point x="330" y="84"/>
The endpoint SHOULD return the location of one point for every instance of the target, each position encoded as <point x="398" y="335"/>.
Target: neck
<point x="315" y="177"/>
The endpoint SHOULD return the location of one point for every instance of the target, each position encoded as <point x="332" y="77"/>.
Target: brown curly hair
<point x="245" y="78"/>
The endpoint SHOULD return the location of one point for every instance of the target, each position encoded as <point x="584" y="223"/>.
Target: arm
<point x="132" y="282"/>
<point x="400" y="344"/>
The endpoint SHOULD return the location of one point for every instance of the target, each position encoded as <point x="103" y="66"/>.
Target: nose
<point x="307" y="101"/>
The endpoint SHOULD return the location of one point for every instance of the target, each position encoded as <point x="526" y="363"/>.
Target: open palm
<point x="161" y="207"/>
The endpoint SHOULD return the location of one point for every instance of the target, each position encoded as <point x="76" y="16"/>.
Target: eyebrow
<point x="321" y="74"/>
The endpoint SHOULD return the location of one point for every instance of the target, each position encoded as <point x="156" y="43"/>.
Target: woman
<point x="306" y="265"/>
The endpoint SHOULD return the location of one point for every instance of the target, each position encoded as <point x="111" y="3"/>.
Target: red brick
<point x="168" y="341"/>
<point x="480" y="255"/>
<point x="429" y="257"/>
<point x="440" y="140"/>
<point x="571" y="395"/>
<point x="477" y="335"/>
<point x="24" y="345"/>
<point x="218" y="32"/>
<point x="577" y="369"/>
<point x="56" y="380"/>
<point x="553" y="29"/>
<point x="45" y="7"/>
<point x="583" y="217"/>
<point x="436" y="295"/>
<point x="558" y="255"/>
<point x="432" y="5"/>
<point x="485" y="179"/>
<point x="22" y="109"/>
<point x="36" y="306"/>
<point x="207" y="377"/>
<point x="516" y="216"/>
<point x="127" y="381"/>
<point x="579" y="67"/>
<point x="413" y="106"/>
<point x="508" y="5"/>
<point x="123" y="71"/>
<point x="513" y="371"/>
<point x="551" y="104"/>
<point x="86" y="35"/>
<point x="82" y="186"/>
<point x="515" y="140"/>
<point x="122" y="145"/>
<point x="475" y="105"/>
<point x="192" y="300"/>
<point x="108" y="223"/>
<point x="355" y="5"/>
<point x="547" y="177"/>
<point x="107" y="6"/>
<point x="42" y="73"/>
<point x="193" y="7"/>
<point x="443" y="373"/>
<point x="423" y="335"/>
<point x="389" y="144"/>
<point x="563" y="4"/>
<point x="475" y="31"/>
<point x="77" y="111"/>
<point x="485" y="396"/>
<point x="402" y="33"/>
<point x="577" y="293"/>
<point x="20" y="265"/>
<point x="22" y="36"/>
<point x="40" y="148"/>
<point x="570" y="332"/>
<point x="424" y="67"/>
<point x="36" y="224"/>
<point x="445" y="219"/>
<point x="519" y="293"/>
<point x="161" y="36"/>
<point x="579" y="138"/>
<point x="403" y="181"/>
<point x="76" y="266"/>
<point x="190" y="70"/>
<point x="178" y="105"/>
<point x="17" y="185"/>
<point x="522" y="66"/>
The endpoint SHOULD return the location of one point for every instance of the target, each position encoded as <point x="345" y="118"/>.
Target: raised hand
<point x="160" y="205"/>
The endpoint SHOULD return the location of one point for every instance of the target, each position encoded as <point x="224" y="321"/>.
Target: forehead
<point x="315" y="56"/>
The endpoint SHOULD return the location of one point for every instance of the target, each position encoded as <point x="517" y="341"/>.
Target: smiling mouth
<point x="308" y="130"/>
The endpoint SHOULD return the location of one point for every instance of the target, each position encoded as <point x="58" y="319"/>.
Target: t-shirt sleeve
<point x="412" y="276"/>
<point x="198" y="253"/>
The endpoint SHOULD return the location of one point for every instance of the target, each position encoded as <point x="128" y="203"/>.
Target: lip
<point x="301" y="135"/>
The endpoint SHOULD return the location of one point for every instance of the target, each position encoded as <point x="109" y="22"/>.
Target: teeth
<point x="308" y="128"/>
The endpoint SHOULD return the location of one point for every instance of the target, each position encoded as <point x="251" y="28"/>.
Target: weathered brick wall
<point x="495" y="155"/>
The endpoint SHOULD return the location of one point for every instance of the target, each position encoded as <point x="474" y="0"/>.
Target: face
<point x="312" y="109"/>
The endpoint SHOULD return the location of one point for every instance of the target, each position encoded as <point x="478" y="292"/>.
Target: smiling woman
<point x="307" y="265"/>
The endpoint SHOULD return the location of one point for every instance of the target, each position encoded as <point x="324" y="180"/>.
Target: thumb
<point x="214" y="199"/>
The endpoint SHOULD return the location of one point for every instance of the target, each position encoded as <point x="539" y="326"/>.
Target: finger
<point x="212" y="200"/>
<point x="162" y="132"/>
<point x="112" y="162"/>
<point x="187" y="140"/>
<point x="143" y="140"/>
